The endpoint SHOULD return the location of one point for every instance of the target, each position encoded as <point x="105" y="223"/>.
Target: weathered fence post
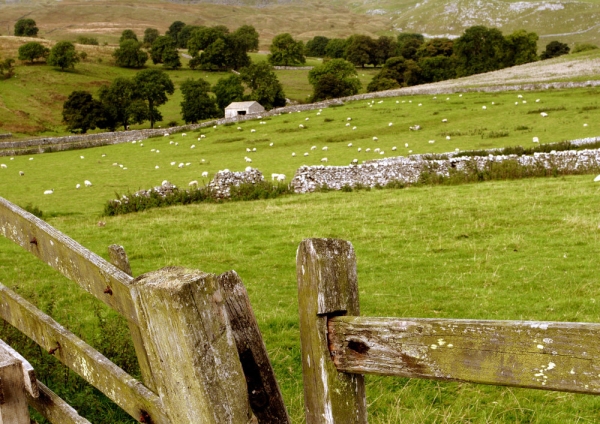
<point x="327" y="287"/>
<point x="190" y="347"/>
<point x="263" y="391"/>
<point x="118" y="257"/>
<point x="13" y="402"/>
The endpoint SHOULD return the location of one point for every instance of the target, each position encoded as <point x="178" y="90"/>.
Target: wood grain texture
<point x="120" y="387"/>
<point x="13" y="404"/>
<point x="29" y="378"/>
<point x="265" y="397"/>
<point x="327" y="286"/>
<point x="119" y="258"/>
<point x="191" y="348"/>
<point x="540" y="355"/>
<point x="53" y="408"/>
<point x="75" y="262"/>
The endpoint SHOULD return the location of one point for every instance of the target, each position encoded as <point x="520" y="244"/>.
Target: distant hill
<point x="567" y="21"/>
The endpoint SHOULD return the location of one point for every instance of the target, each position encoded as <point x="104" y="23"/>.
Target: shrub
<point x="584" y="47"/>
<point x="87" y="40"/>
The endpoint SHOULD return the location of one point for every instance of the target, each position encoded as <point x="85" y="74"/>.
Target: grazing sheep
<point x="254" y="149"/>
<point x="376" y="149"/>
<point x="544" y="114"/>
<point x="367" y="149"/>
<point x="156" y="167"/>
<point x="537" y="100"/>
<point x="181" y="165"/>
<point x="300" y="126"/>
<point x="305" y="154"/>
<point x="347" y="125"/>
<point x="444" y="120"/>
<point x="81" y="157"/>
<point x="87" y="183"/>
<point x="360" y="149"/>
<point x="152" y="150"/>
<point x="415" y="128"/>
<point x="447" y="137"/>
<point x="520" y="96"/>
<point x="274" y="177"/>
<point x="205" y="174"/>
<point x="270" y="144"/>
<point x="390" y="124"/>
<point x="597" y="179"/>
<point x="239" y="128"/>
<point x="202" y="136"/>
<point x="281" y="177"/>
<point x="293" y="154"/>
<point x="247" y="159"/>
<point x="325" y="148"/>
<point x="353" y="128"/>
<point x="30" y="158"/>
<point x="484" y="107"/>
<point x="171" y="142"/>
<point x="166" y="134"/>
<point x="252" y="130"/>
<point x="164" y="183"/>
<point x="313" y="148"/>
<point x="516" y="103"/>
<point x="420" y="104"/>
<point x="248" y="169"/>
<point x="307" y="119"/>
<point x="78" y="186"/>
<point x="193" y="146"/>
<point x="173" y="163"/>
<point x="536" y="140"/>
<point x="193" y="183"/>
<point x="324" y="160"/>
<point x="49" y="191"/>
<point x="349" y="144"/>
<point x="431" y="141"/>
<point x="188" y="163"/>
<point x="21" y="173"/>
<point x="354" y="161"/>
<point x="183" y="134"/>
<point x="394" y="149"/>
<point x="348" y="119"/>
<point x="375" y="139"/>
<point x="382" y="153"/>
<point x="3" y="166"/>
<point x="405" y="144"/>
<point x="157" y="151"/>
<point x="585" y="125"/>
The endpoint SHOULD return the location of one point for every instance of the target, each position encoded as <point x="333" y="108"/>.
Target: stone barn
<point x="243" y="108"/>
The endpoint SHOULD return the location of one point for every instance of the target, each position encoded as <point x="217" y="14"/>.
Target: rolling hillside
<point x="572" y="21"/>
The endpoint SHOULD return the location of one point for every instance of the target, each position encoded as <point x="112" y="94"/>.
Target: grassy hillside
<point x="573" y="21"/>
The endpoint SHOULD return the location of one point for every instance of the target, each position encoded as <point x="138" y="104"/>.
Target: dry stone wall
<point x="222" y="182"/>
<point x="408" y="169"/>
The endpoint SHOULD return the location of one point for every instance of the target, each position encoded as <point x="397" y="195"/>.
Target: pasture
<point x="521" y="250"/>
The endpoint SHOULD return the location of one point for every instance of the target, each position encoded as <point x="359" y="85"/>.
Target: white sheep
<point x="183" y="134"/>
<point x="281" y="177"/>
<point x="205" y="174"/>
<point x="270" y="144"/>
<point x="597" y="179"/>
<point x="156" y="167"/>
<point x="305" y="154"/>
<point x="300" y="126"/>
<point x="293" y="154"/>
<point x="444" y="120"/>
<point x="394" y="149"/>
<point x="202" y="136"/>
<point x="181" y="165"/>
<point x="520" y="96"/>
<point x="447" y="137"/>
<point x="248" y="149"/>
<point x="313" y="148"/>
<point x="585" y="125"/>
<point x="348" y="119"/>
<point x="3" y="165"/>
<point x="171" y="142"/>
<point x="239" y="128"/>
<point x="87" y="183"/>
<point x="367" y="149"/>
<point x="405" y="144"/>
<point x="49" y="191"/>
<point x="164" y="183"/>
<point x="349" y="144"/>
<point x="360" y="149"/>
<point x="354" y="161"/>
<point x="537" y="100"/>
<point x="544" y="114"/>
<point x="325" y="148"/>
<point x="377" y="149"/>
<point x="81" y="157"/>
<point x="166" y="135"/>
<point x="193" y="146"/>
<point x="152" y="150"/>
<point x="348" y="125"/>
<point x="431" y="141"/>
<point x="188" y="163"/>
<point x="193" y="183"/>
<point x="307" y="119"/>
<point x="254" y="149"/>
<point x="248" y="169"/>
<point x="21" y="173"/>
<point x="484" y="107"/>
<point x="324" y="160"/>
<point x="78" y="186"/>
<point x="274" y="177"/>
<point x="536" y="140"/>
<point x="173" y="163"/>
<point x="252" y="130"/>
<point x="390" y="124"/>
<point x="247" y="159"/>
<point x="353" y="128"/>
<point x="375" y="139"/>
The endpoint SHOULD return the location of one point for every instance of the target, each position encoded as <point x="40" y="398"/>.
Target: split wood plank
<point x="558" y="356"/>
<point x="54" y="408"/>
<point x="90" y="271"/>
<point x="118" y="257"/>
<point x="29" y="378"/>
<point x="263" y="391"/>
<point x="13" y="404"/>
<point x="120" y="387"/>
<point x="191" y="348"/>
<point x="327" y="286"/>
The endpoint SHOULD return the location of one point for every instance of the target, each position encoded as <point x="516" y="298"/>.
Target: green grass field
<point x="520" y="250"/>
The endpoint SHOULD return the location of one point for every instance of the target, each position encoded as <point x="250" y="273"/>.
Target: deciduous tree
<point x="520" y="48"/>
<point x="554" y="49"/>
<point x="152" y="86"/>
<point x="128" y="34"/>
<point x="197" y="103"/>
<point x="285" y="51"/>
<point x="26" y="28"/>
<point x="336" y="48"/>
<point x="63" y="55"/>
<point x="130" y="54"/>
<point x="316" y="47"/>
<point x="32" y="51"/>
<point x="81" y="112"/>
<point x="478" y="50"/>
<point x="360" y="50"/>
<point x="228" y="90"/>
<point x="118" y="104"/>
<point x="332" y="79"/>
<point x="150" y="36"/>
<point x="265" y="86"/>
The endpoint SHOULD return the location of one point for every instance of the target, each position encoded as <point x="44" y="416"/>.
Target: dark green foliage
<point x="584" y="47"/>
<point x="216" y="49"/>
<point x="266" y="88"/>
<point x="118" y="104"/>
<point x="152" y="86"/>
<point x="479" y="50"/>
<point x="409" y="44"/>
<point x="336" y="48"/>
<point x="7" y="70"/>
<point x="184" y="35"/>
<point x="197" y="103"/>
<point x="228" y="90"/>
<point x="382" y="81"/>
<point x="435" y="47"/>
<point x="203" y="37"/>
<point x="247" y="38"/>
<point x="361" y="50"/>
<point x="32" y="51"/>
<point x="81" y="112"/>
<point x="437" y="68"/>
<point x="385" y="47"/>
<point x="174" y="30"/>
<point x="316" y="47"/>
<point x="554" y="49"/>
<point x="171" y="59"/>
<point x="285" y="51"/>
<point x="63" y="55"/>
<point x="403" y="71"/>
<point x="334" y="78"/>
<point x="244" y="192"/>
<point x="128" y="35"/>
<point x="150" y="36"/>
<point x="521" y="47"/>
<point x="130" y="54"/>
<point x="26" y="28"/>
<point x="165" y="51"/>
<point x="91" y="41"/>
<point x="541" y="148"/>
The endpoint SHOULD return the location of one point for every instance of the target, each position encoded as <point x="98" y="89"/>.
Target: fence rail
<point x="339" y="346"/>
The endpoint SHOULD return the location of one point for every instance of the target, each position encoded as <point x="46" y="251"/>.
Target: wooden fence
<point x="202" y="357"/>
<point x="200" y="352"/>
<point x="339" y="346"/>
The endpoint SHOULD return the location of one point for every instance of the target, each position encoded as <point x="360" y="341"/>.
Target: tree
<point x="332" y="79"/>
<point x="63" y="55"/>
<point x="435" y="47"/>
<point x="437" y="68"/>
<point x="478" y="50"/>
<point x="128" y="35"/>
<point x="521" y="47"/>
<point x="33" y="50"/>
<point x="118" y="104"/>
<point x="216" y="49"/>
<point x="26" y="28"/>
<point x="285" y="51"/>
<point x="404" y="72"/>
<point x="7" y="69"/>
<point x="583" y="47"/>
<point x="265" y="86"/>
<point x="174" y="30"/>
<point x="247" y="37"/>
<point x="554" y="49"/>
<point x="197" y="103"/>
<point x="336" y="48"/>
<point x="152" y="86"/>
<point x="184" y="35"/>
<point x="409" y="43"/>
<point x="385" y="47"/>
<point x="130" y="55"/>
<point x="81" y="112"/>
<point x="228" y="90"/>
<point x="150" y="36"/>
<point x="316" y="47"/>
<point x="360" y="50"/>
<point x="165" y="51"/>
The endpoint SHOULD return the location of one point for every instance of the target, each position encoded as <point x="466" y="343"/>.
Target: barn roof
<point x="241" y="105"/>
